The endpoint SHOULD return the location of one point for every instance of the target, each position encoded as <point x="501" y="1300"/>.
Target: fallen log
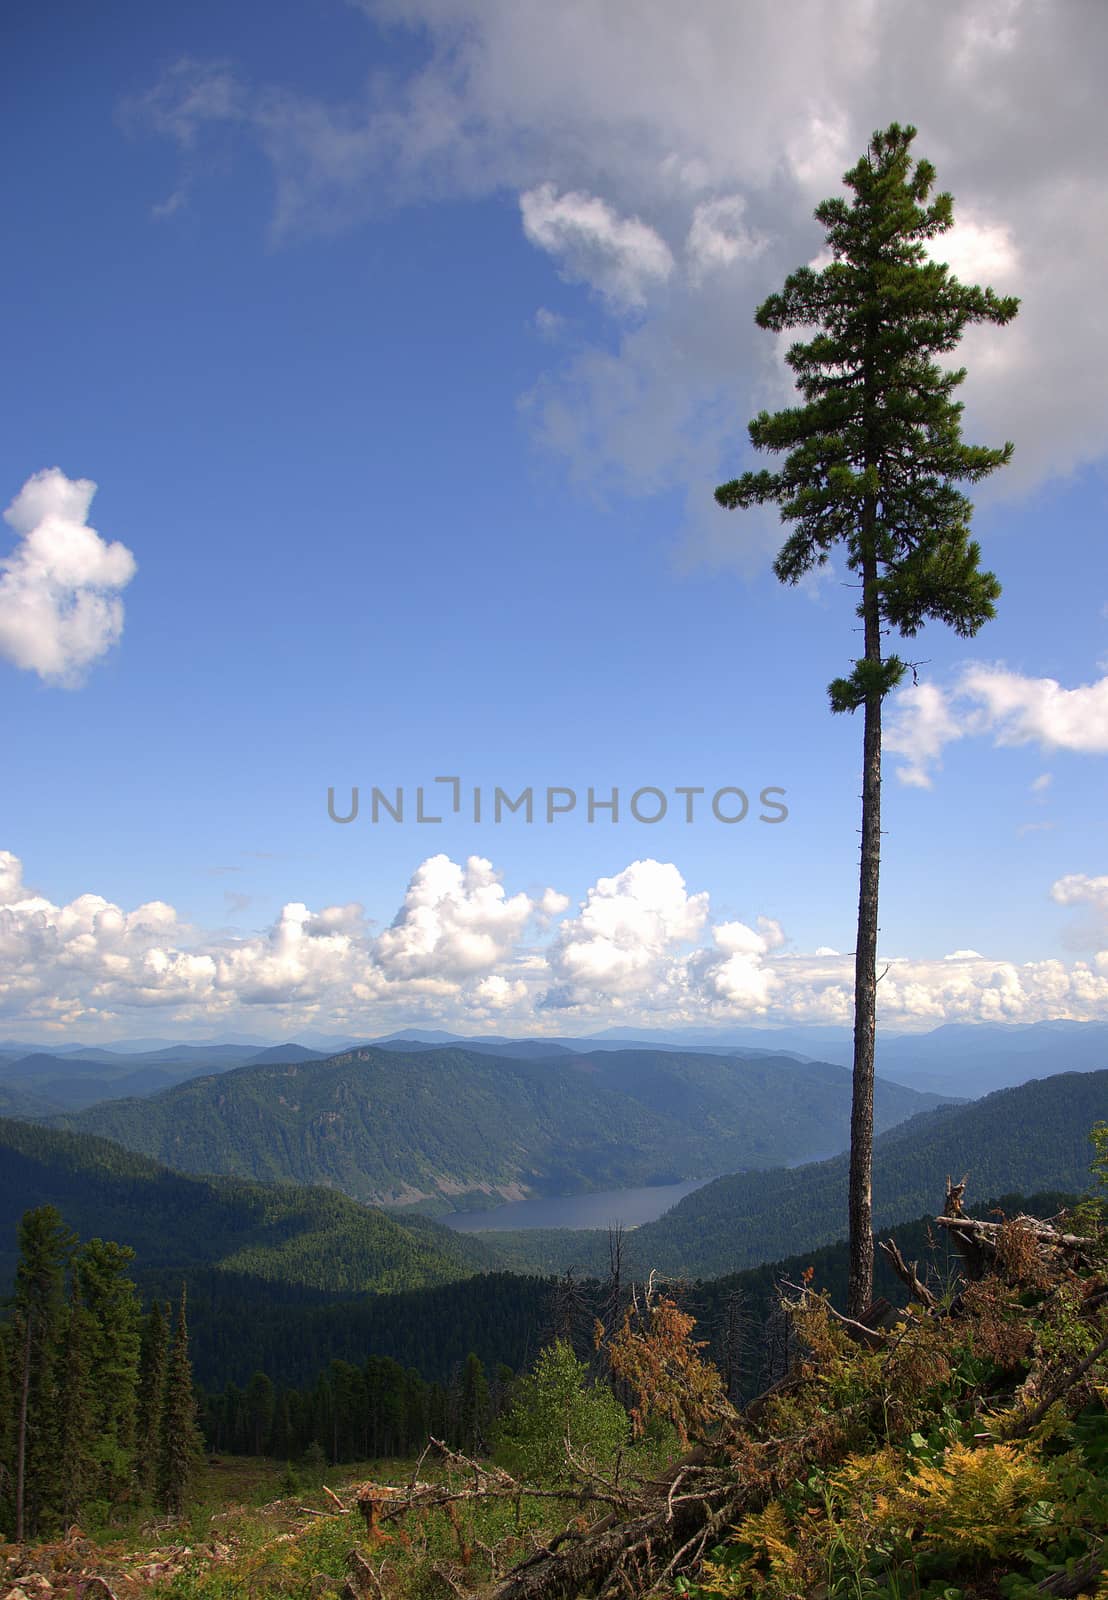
<point x="1065" y="1585"/>
<point x="689" y="1510"/>
<point x="858" y="1330"/>
<point x="976" y="1259"/>
<point x="591" y="1563"/>
<point x="1042" y="1232"/>
<point x="981" y="1244"/>
<point x="362" y="1583"/>
<point x="647" y="1531"/>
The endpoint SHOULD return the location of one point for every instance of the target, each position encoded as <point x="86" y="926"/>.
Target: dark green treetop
<point x="153" y="1352"/>
<point x="875" y="452"/>
<point x="180" y="1437"/>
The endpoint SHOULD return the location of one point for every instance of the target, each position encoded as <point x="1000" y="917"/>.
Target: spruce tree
<point x="476" y="1406"/>
<point x="45" y="1245"/>
<point x="873" y="459"/>
<point x="77" y="1430"/>
<point x="180" y="1440"/>
<point x="260" y="1405"/>
<point x="153" y="1352"/>
<point x="385" y="1384"/>
<point x="282" y="1442"/>
<point x="416" y="1403"/>
<point x="100" y="1269"/>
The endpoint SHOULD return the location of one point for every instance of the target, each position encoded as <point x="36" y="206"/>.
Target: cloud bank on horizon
<point x="639" y="949"/>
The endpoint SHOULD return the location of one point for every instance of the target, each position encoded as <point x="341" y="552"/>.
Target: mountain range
<point x="955" y="1061"/>
<point x="35" y="1082"/>
<point x="453" y="1127"/>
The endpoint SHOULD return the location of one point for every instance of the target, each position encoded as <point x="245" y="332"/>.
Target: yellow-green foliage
<point x="973" y="1501"/>
<point x="960" y="1456"/>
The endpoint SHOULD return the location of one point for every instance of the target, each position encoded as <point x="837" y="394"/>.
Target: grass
<point x="244" y="1534"/>
<point x="258" y="1548"/>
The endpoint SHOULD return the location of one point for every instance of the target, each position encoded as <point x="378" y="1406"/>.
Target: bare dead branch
<point x="908" y="1274"/>
<point x="1056" y="1390"/>
<point x="361" y="1580"/>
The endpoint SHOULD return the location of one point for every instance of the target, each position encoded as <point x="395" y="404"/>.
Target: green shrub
<point x="555" y="1407"/>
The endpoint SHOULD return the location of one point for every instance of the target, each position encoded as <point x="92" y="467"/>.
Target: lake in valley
<point x="629" y="1206"/>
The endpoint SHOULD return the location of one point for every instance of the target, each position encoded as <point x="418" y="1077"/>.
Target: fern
<point x="973" y="1504"/>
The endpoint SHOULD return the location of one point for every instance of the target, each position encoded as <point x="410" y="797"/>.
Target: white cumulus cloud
<point x="91" y="958"/>
<point x="718" y="235"/>
<point x="619" y="256"/>
<point x="1077" y="888"/>
<point x="59" y="588"/>
<point x="622" y="940"/>
<point x="735" y="973"/>
<point x="991" y="700"/>
<point x="920" y="725"/>
<point x="977" y="251"/>
<point x="1041" y="711"/>
<point x="497" y="993"/>
<point x="455" y="921"/>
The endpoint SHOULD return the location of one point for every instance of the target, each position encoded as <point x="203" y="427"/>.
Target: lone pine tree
<point x="873" y="458"/>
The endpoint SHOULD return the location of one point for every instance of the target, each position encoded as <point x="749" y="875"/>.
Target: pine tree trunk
<point x="860" y="1290"/>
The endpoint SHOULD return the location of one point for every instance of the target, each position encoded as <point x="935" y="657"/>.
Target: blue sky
<point x="405" y="346"/>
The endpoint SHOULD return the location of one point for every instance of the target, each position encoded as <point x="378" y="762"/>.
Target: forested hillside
<point x="1035" y="1137"/>
<point x="762" y="1101"/>
<point x="309" y="1237"/>
<point x="18" y="1102"/>
<point x="241" y="1325"/>
<point x="277" y="1272"/>
<point x="457" y="1126"/>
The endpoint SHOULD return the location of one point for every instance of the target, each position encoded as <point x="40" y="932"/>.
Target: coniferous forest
<point x="98" y="1400"/>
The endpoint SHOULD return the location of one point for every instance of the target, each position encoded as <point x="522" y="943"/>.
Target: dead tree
<point x="570" y="1317"/>
<point x="736" y="1327"/>
<point x="778" y="1347"/>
